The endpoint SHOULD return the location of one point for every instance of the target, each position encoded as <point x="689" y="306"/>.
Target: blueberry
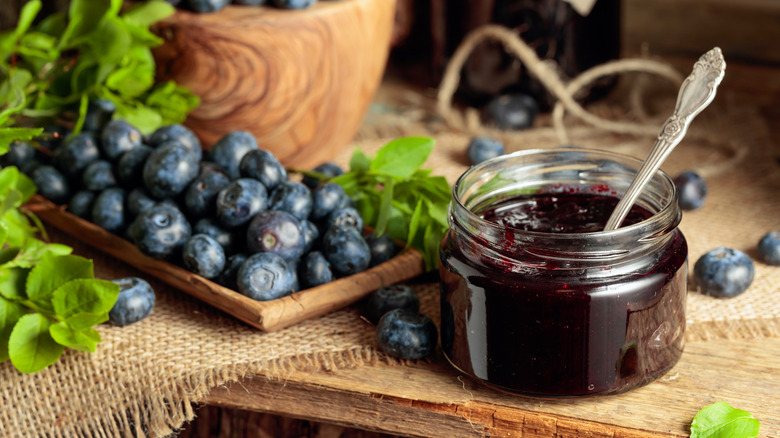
<point x="108" y="210"/>
<point x="512" y="111"/>
<point x="277" y="232"/>
<point x="230" y="240"/>
<point x="345" y="217"/>
<point x="229" y="274"/>
<point x="294" y="4"/>
<point x="180" y="134"/>
<point x="51" y="184"/>
<point x="29" y="166"/>
<point x="98" y="176"/>
<point x="325" y="198"/>
<point x="264" y="167"/>
<point x="203" y="255"/>
<point x="382" y="248"/>
<point x="314" y="270"/>
<point x="99" y="113"/>
<point x="160" y="231"/>
<point x="137" y="201"/>
<point x="230" y="150"/>
<point x="208" y="5"/>
<point x="406" y="335"/>
<point x="169" y="169"/>
<point x="327" y="169"/>
<point x="310" y="235"/>
<point x="76" y="154"/>
<point x="200" y="198"/>
<point x="135" y="302"/>
<point x="240" y="201"/>
<point x="723" y="272"/>
<point x="387" y="298"/>
<point x="265" y="276"/>
<point x="210" y="166"/>
<point x="19" y="153"/>
<point x="346" y="250"/>
<point x="119" y="137"/>
<point x="130" y="167"/>
<point x="769" y="248"/>
<point x="292" y="197"/>
<point x="249" y="2"/>
<point x="691" y="189"/>
<point x="80" y="204"/>
<point x="484" y="148"/>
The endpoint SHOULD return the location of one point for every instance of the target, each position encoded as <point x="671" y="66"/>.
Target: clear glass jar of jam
<point x="537" y="300"/>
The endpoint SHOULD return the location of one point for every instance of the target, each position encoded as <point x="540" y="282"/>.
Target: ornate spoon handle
<point x="696" y="92"/>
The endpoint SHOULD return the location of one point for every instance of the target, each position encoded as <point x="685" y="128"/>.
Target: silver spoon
<point x="696" y="92"/>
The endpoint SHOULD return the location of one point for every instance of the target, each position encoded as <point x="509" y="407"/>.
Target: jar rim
<point x="668" y="215"/>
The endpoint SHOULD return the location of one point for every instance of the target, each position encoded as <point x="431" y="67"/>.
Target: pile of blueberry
<point x="203" y="6"/>
<point x="231" y="214"/>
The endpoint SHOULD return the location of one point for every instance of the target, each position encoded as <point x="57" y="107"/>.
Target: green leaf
<point x="10" y="312"/>
<point x="20" y="232"/>
<point x="402" y="157"/>
<point x="81" y="339"/>
<point x="414" y="221"/>
<point x="27" y="16"/>
<point x="83" y="18"/>
<point x="53" y="24"/>
<point x="12" y="281"/>
<point x="3" y="235"/>
<point x="359" y="162"/>
<point x="84" y="296"/>
<point x="172" y="102"/>
<point x="9" y="135"/>
<point x="84" y="320"/>
<point x="719" y="420"/>
<point x="34" y="251"/>
<point x="82" y="115"/>
<point x="52" y="272"/>
<point x="140" y="116"/>
<point x="384" y="207"/>
<point x="135" y="74"/>
<point x="148" y="13"/>
<point x="31" y="346"/>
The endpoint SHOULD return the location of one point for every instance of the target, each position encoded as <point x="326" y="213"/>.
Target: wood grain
<point x="300" y="81"/>
<point x="431" y="399"/>
<point x="264" y="315"/>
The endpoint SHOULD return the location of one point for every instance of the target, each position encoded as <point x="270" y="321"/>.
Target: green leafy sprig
<point x="49" y="299"/>
<point x="719" y="420"/>
<point x="396" y="196"/>
<point x="95" y="51"/>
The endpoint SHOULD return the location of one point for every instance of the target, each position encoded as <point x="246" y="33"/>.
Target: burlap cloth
<point x="144" y="379"/>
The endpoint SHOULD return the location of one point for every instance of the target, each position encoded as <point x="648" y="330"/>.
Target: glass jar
<point x="549" y="307"/>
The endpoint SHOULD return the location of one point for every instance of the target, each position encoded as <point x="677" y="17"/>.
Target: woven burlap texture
<point x="144" y="378"/>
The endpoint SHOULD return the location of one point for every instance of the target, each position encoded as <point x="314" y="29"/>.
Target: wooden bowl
<point x="300" y="81"/>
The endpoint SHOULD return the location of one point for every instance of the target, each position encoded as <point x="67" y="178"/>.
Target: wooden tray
<point x="264" y="315"/>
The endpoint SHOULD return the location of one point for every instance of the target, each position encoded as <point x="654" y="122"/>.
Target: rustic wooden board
<point x="264" y="315"/>
<point x="432" y="399"/>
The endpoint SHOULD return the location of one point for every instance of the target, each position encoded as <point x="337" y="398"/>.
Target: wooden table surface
<point x="433" y="400"/>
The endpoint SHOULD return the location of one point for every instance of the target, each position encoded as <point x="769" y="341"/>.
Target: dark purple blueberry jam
<point x="560" y="327"/>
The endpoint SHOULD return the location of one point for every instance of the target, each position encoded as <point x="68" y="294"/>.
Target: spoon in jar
<point x="696" y="92"/>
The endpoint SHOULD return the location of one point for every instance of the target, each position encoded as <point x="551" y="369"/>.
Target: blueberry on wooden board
<point x="108" y="210"/>
<point x="203" y="255"/>
<point x="263" y="166"/>
<point x="99" y="114"/>
<point x="178" y="133"/>
<point x="119" y="137"/>
<point x="240" y="201"/>
<point x="723" y="272"/>
<point x="169" y="169"/>
<point x="229" y="150"/>
<point x="325" y="198"/>
<point x="135" y="302"/>
<point x="160" y="231"/>
<point x="229" y="274"/>
<point x="98" y="176"/>
<point x="292" y="197"/>
<point x="345" y="217"/>
<point x="207" y="5"/>
<point x="276" y="232"/>
<point x="231" y="240"/>
<point x="130" y="167"/>
<point x="200" y="196"/>
<point x="346" y="250"/>
<point x="314" y="270"/>
<point x="51" y="184"/>
<point x="327" y="169"/>
<point x="382" y="248"/>
<point x="265" y="276"/>
<point x="80" y="204"/>
<point x="73" y="156"/>
<point x="406" y="335"/>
